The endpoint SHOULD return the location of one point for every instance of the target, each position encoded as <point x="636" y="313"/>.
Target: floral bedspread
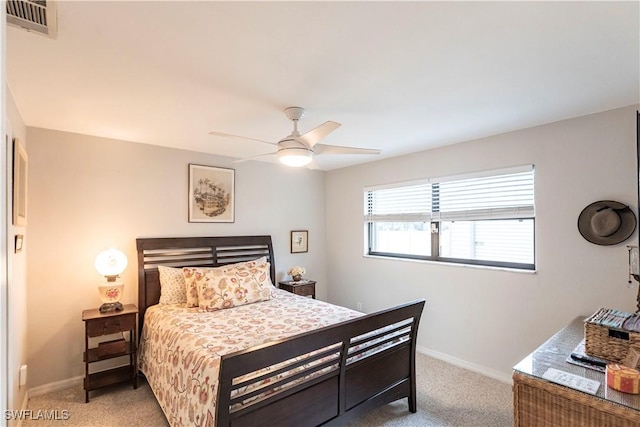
<point x="180" y="347"/>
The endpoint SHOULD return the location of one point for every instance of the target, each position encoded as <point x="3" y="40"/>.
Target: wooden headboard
<point x="192" y="251"/>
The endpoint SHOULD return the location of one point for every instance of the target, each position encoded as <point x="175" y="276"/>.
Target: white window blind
<point x="508" y="196"/>
<point x="408" y="203"/>
<point x="504" y="194"/>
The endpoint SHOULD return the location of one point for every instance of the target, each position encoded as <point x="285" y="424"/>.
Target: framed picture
<point x="211" y="194"/>
<point x="299" y="241"/>
<point x="19" y="184"/>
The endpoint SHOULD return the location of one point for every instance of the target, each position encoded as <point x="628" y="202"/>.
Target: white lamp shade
<point x="111" y="262"/>
<point x="295" y="157"/>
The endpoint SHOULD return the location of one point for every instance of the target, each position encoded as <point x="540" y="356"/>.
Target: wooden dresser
<point x="538" y="402"/>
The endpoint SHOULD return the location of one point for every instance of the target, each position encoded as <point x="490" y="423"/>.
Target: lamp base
<point x="111" y="306"/>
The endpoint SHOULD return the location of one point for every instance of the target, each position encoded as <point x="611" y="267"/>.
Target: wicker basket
<point x="609" y="343"/>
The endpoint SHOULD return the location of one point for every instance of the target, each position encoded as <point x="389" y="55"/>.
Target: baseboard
<point x="58" y="385"/>
<point x="54" y="386"/>
<point x="482" y="370"/>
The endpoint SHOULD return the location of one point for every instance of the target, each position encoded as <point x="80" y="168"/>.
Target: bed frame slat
<point x="289" y="366"/>
<point x="289" y="382"/>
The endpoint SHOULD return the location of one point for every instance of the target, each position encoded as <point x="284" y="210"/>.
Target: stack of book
<point x="616" y="319"/>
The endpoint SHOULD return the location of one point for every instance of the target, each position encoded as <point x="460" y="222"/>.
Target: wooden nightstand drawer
<point x="303" y="288"/>
<point x="110" y="325"/>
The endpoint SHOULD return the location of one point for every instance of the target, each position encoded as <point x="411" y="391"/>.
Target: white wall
<point x="487" y="318"/>
<point x="17" y="271"/>
<point x="88" y="193"/>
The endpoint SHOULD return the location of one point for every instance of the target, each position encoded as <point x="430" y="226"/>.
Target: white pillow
<point x="172" y="286"/>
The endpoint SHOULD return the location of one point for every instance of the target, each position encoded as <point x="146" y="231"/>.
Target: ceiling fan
<point x="298" y="150"/>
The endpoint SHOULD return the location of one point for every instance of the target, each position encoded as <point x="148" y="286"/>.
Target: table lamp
<point x="110" y="264"/>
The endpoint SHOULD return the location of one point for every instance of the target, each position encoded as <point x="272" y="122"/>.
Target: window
<point x="484" y="219"/>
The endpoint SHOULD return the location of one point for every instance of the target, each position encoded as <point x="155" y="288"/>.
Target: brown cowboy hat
<point x="606" y="222"/>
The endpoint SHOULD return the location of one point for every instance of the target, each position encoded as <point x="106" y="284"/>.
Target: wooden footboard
<point x="324" y="377"/>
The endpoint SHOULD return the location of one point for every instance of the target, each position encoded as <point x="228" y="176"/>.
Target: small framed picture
<point x="19" y="184"/>
<point x="211" y="194"/>
<point x="299" y="241"/>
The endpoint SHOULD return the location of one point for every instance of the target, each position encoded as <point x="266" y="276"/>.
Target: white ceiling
<point x="399" y="76"/>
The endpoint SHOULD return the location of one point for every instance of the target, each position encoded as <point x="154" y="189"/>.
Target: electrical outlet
<point x="359" y="306"/>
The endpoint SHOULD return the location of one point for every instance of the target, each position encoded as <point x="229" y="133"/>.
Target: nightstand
<point x="303" y="287"/>
<point x="98" y="324"/>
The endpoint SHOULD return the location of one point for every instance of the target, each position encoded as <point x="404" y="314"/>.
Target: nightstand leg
<point x="134" y="356"/>
<point x="86" y="365"/>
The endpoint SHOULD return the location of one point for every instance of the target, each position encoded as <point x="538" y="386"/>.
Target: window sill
<point x="453" y="264"/>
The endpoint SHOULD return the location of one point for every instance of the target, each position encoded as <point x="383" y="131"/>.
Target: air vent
<point x="38" y="16"/>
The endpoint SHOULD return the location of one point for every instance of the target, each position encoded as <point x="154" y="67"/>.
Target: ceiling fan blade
<point x="227" y="135"/>
<point x="261" y="156"/>
<point x="316" y="135"/>
<point x="336" y="149"/>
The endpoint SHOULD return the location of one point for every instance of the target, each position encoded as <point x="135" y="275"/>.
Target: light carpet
<point x="448" y="396"/>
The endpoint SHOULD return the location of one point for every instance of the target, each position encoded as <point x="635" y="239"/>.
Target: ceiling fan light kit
<point x="295" y="157"/>
<point x="297" y="150"/>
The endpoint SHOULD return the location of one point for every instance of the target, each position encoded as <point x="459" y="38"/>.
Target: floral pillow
<point x="249" y="264"/>
<point x="220" y="288"/>
<point x="194" y="274"/>
<point x="172" y="285"/>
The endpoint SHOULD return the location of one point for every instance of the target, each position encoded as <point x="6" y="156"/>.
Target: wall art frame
<point x="211" y="194"/>
<point x="299" y="241"/>
<point x="20" y="174"/>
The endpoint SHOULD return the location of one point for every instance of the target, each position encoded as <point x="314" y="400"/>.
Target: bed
<point x="307" y="363"/>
